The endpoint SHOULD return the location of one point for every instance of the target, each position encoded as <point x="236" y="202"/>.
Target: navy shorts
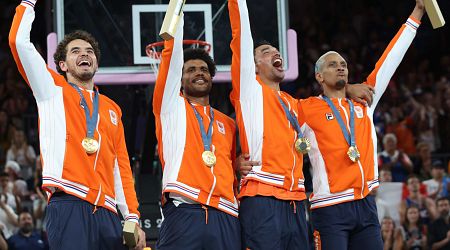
<point x="191" y="226"/>
<point x="71" y="224"/>
<point x="351" y="225"/>
<point x="270" y="223"/>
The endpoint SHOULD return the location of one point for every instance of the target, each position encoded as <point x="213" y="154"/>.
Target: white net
<point x="155" y="56"/>
<point x="155" y="59"/>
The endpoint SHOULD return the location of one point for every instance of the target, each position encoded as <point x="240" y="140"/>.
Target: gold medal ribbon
<point x="352" y="152"/>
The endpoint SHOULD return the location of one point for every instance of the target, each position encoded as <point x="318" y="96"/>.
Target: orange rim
<point x="150" y="49"/>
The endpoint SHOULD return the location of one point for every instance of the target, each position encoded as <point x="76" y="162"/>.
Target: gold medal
<point x="302" y="145"/>
<point x="90" y="145"/>
<point x="353" y="153"/>
<point x="209" y="158"/>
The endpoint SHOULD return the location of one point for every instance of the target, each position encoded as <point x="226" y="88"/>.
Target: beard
<point x="28" y="228"/>
<point x="197" y="91"/>
<point x="84" y="76"/>
<point x="340" y="84"/>
<point x="277" y="76"/>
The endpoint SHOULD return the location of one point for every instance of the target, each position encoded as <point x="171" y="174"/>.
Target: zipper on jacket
<point x="212" y="168"/>
<point x="359" y="162"/>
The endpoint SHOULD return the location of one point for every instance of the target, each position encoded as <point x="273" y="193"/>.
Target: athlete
<point x="197" y="152"/>
<point x="86" y="170"/>
<point x="343" y="147"/>
<point x="272" y="214"/>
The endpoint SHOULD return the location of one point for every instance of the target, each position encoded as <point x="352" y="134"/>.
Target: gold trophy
<point x="130" y="234"/>
<point x="434" y="13"/>
<point x="171" y="19"/>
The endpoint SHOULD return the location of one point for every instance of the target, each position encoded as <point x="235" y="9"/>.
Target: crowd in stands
<point x="412" y="119"/>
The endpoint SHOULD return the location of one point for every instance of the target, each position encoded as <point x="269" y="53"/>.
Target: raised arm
<point x="243" y="76"/>
<point x="31" y="65"/>
<point x="394" y="53"/>
<point x="168" y="82"/>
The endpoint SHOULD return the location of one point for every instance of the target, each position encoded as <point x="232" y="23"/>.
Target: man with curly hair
<point x="86" y="170"/>
<point x="197" y="152"/>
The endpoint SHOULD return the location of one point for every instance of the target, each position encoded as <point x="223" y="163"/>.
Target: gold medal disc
<point x="353" y="153"/>
<point x="209" y="158"/>
<point x="90" y="145"/>
<point x="302" y="145"/>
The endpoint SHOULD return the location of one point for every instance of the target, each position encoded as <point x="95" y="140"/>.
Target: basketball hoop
<point x="154" y="51"/>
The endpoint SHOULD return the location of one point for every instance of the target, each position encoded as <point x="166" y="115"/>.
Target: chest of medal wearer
<point x="328" y="140"/>
<point x="106" y="130"/>
<point x="223" y="146"/>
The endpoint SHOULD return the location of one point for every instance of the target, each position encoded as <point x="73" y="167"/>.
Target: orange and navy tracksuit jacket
<point x="180" y="142"/>
<point x="103" y="178"/>
<point x="336" y="179"/>
<point x="265" y="131"/>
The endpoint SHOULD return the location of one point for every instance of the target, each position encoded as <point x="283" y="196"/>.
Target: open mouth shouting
<point x="277" y="62"/>
<point x="84" y="63"/>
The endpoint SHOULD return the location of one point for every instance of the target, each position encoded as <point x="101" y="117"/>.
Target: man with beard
<point x="27" y="238"/>
<point x="197" y="152"/>
<point x="439" y="230"/>
<point x="343" y="147"/>
<point x="272" y="189"/>
<point x="86" y="170"/>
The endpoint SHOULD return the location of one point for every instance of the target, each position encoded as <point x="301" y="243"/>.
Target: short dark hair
<point x="260" y="43"/>
<point x="61" y="50"/>
<point x="201" y="54"/>
<point x="445" y="198"/>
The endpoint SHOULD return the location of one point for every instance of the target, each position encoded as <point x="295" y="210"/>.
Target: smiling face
<point x="269" y="63"/>
<point x="196" y="79"/>
<point x="332" y="72"/>
<point x="81" y="61"/>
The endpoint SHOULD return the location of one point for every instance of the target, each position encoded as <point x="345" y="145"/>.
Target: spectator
<point x="437" y="186"/>
<point x="385" y="175"/>
<point x="439" y="231"/>
<point x="412" y="234"/>
<point x="8" y="218"/>
<point x="40" y="200"/>
<point x="7" y="195"/>
<point x="22" y="153"/>
<point x="444" y="121"/>
<point x="425" y="205"/>
<point x="422" y="163"/>
<point x="428" y="121"/>
<point x="387" y="232"/>
<point x="17" y="186"/>
<point x="402" y="128"/>
<point x="6" y="130"/>
<point x="27" y="238"/>
<point x="395" y="160"/>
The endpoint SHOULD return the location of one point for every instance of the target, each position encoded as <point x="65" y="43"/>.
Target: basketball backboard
<point x="125" y="28"/>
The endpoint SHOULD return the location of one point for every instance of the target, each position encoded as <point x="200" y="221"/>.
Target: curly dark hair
<point x="61" y="50"/>
<point x="201" y="54"/>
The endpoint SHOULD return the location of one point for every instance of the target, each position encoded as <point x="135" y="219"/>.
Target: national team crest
<point x="113" y="117"/>
<point x="359" y="112"/>
<point x="220" y="127"/>
<point x="329" y="116"/>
